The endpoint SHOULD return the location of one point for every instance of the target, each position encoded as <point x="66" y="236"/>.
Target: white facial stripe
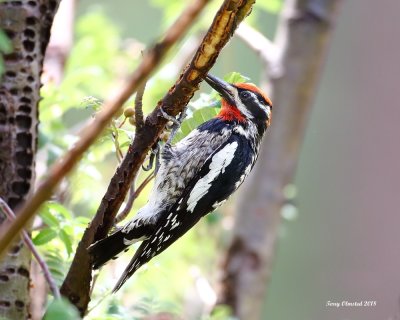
<point x="242" y="108"/>
<point x="267" y="109"/>
<point x="218" y="165"/>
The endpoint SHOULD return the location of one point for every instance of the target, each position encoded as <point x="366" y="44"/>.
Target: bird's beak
<point x="226" y="90"/>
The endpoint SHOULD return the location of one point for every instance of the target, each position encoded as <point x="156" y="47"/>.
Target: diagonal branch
<point x="150" y="61"/>
<point x="139" y="106"/>
<point x="77" y="283"/>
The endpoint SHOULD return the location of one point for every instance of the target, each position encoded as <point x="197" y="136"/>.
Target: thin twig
<point x="118" y="151"/>
<point x="139" y="106"/>
<point x="133" y="194"/>
<point x="28" y="242"/>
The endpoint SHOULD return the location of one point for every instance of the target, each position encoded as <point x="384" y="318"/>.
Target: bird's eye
<point x="244" y="95"/>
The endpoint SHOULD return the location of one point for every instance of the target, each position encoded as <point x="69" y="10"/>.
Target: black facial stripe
<point x="253" y="104"/>
<point x="262" y="100"/>
<point x="259" y="96"/>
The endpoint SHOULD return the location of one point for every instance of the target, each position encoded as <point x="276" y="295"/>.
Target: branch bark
<point x="93" y="130"/>
<point x="27" y="24"/>
<point x="306" y="26"/>
<point x="76" y="286"/>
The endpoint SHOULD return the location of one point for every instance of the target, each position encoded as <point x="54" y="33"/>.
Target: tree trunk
<point x="303" y="36"/>
<point x="27" y="24"/>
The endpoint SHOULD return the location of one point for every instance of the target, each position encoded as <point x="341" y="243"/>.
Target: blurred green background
<point x="343" y="244"/>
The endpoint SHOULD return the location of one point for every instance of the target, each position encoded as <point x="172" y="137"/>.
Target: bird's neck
<point x="230" y="113"/>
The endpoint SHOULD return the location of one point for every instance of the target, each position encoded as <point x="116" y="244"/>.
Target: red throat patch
<point x="230" y="113"/>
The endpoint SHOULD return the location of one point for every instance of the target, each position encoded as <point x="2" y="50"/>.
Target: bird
<point x="195" y="176"/>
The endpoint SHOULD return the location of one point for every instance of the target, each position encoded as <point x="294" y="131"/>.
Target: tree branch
<point x="139" y="106"/>
<point x="77" y="283"/>
<point x="28" y="242"/>
<point x="27" y="24"/>
<point x="150" y="60"/>
<point x="248" y="262"/>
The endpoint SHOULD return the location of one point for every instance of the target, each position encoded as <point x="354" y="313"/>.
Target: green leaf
<point x="58" y="208"/>
<point x="56" y="265"/>
<point x="1" y="65"/>
<point x="5" y="43"/>
<point x="5" y="47"/>
<point x="199" y="116"/>
<point x="272" y="6"/>
<point x="234" y="77"/>
<point x="61" y="309"/>
<point x="66" y="239"/>
<point x="53" y="213"/>
<point x="44" y="236"/>
<point x="48" y="217"/>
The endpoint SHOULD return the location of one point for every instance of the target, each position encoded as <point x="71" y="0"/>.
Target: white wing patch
<point x="218" y="165"/>
<point x="244" y="175"/>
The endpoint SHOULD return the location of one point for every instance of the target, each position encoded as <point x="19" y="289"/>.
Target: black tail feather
<point x="107" y="248"/>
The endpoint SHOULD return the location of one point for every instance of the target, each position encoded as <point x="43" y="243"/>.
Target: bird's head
<point x="242" y="102"/>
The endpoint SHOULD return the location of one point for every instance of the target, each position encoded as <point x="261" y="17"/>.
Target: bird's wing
<point x="180" y="163"/>
<point x="221" y="174"/>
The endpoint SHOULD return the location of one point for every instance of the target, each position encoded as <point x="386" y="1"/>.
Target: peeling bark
<point x="77" y="283"/>
<point x="27" y="24"/>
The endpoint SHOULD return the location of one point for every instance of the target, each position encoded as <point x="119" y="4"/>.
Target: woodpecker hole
<point x="25" y="100"/>
<point x="30" y="21"/>
<point x="43" y="8"/>
<point x="19" y="304"/>
<point x="24" y="174"/>
<point x="14" y="91"/>
<point x="10" y="74"/>
<point x="30" y="33"/>
<point x="24" y="139"/>
<point x="23" y="272"/>
<point x="12" y="57"/>
<point x="24" y="158"/>
<point x="4" y="278"/>
<point x="20" y="187"/>
<point x="5" y="304"/>
<point x="28" y="45"/>
<point x="27" y="89"/>
<point x="23" y="121"/>
<point x="25" y="108"/>
<point x="10" y="270"/>
<point x="9" y="33"/>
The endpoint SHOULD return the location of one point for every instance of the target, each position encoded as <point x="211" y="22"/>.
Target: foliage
<point x="61" y="309"/>
<point x="98" y="58"/>
<point x="5" y="47"/>
<point x="171" y="9"/>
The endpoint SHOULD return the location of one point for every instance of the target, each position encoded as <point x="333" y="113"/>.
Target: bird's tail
<point x="108" y="248"/>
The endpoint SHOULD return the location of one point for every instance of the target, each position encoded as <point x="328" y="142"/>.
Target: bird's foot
<point x="176" y="123"/>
